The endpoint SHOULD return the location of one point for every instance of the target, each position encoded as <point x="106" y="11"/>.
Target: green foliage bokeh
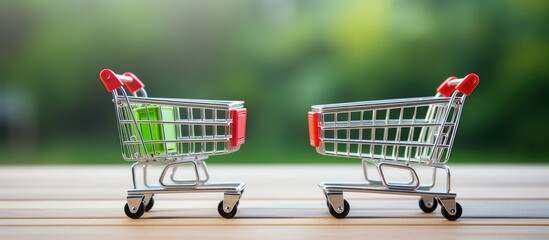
<point x="281" y="57"/>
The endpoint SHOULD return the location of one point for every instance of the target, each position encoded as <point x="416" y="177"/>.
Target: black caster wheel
<point x="137" y="214"/>
<point x="454" y="217"/>
<point x="149" y="205"/>
<point x="340" y="215"/>
<point x="225" y="214"/>
<point x="427" y="209"/>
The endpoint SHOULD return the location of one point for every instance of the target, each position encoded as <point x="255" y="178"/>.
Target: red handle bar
<point x="464" y="85"/>
<point x="113" y="81"/>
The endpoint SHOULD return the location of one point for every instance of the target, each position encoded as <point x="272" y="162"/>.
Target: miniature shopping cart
<point x="399" y="135"/>
<point x="175" y="134"/>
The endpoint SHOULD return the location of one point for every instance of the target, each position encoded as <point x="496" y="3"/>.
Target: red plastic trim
<point x="134" y="85"/>
<point x="468" y="84"/>
<point x="445" y="89"/>
<point x="109" y="79"/>
<point x="313" y="129"/>
<point x="239" y="126"/>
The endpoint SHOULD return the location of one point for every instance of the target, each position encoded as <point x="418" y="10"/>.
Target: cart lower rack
<point x="177" y="135"/>
<point x="399" y="135"/>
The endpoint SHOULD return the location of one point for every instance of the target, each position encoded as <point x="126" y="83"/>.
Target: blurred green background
<point x="281" y="57"/>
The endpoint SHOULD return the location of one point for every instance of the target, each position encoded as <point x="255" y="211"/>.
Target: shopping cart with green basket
<point x="174" y="133"/>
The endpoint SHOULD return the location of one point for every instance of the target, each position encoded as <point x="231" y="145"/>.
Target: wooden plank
<point x="276" y="232"/>
<point x="281" y="202"/>
<point x="489" y="209"/>
<point x="299" y="175"/>
<point x="295" y="181"/>
<point x="328" y="221"/>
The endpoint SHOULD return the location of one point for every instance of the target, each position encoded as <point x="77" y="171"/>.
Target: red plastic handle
<point x="135" y="84"/>
<point x="464" y="85"/>
<point x="445" y="89"/>
<point x="109" y="79"/>
<point x="113" y="81"/>
<point x="239" y="126"/>
<point x="468" y="84"/>
<point x="314" y="140"/>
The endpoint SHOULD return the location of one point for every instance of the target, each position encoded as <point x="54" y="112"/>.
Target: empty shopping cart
<point x="394" y="135"/>
<point x="175" y="134"/>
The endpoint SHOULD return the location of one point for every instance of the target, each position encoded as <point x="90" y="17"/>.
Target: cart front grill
<point x="171" y="129"/>
<point x="418" y="130"/>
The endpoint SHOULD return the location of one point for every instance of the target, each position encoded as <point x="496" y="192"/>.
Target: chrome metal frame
<point x="401" y="134"/>
<point x="196" y="138"/>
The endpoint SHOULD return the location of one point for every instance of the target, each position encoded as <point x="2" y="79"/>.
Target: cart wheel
<point x="149" y="205"/>
<point x="137" y="214"/>
<point x="427" y="209"/>
<point x="454" y="217"/>
<point x="223" y="213"/>
<point x="346" y="209"/>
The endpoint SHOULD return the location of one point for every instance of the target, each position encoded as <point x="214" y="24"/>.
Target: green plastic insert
<point x="153" y="131"/>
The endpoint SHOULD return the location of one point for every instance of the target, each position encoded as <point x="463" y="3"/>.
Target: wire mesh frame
<point x="194" y="127"/>
<point x="413" y="130"/>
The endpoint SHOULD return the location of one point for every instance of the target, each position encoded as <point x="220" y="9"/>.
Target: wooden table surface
<point x="281" y="202"/>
